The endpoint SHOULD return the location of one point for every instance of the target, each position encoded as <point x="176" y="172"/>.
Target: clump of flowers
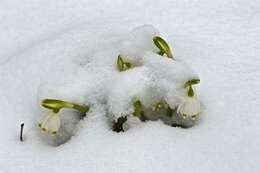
<point x="152" y="84"/>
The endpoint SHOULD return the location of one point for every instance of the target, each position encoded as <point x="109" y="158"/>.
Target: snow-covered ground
<point x="51" y="44"/>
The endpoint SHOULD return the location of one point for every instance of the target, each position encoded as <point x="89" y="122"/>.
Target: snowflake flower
<point x="50" y="123"/>
<point x="189" y="105"/>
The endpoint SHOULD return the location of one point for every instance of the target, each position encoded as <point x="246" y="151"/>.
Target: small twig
<point x="21" y="132"/>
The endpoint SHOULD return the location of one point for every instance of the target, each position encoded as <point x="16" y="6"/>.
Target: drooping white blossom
<point x="50" y="123"/>
<point x="189" y="107"/>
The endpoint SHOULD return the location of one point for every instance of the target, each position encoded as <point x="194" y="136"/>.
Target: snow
<point x="137" y="42"/>
<point x="137" y="83"/>
<point x="170" y="76"/>
<point x="174" y="71"/>
<point x="59" y="48"/>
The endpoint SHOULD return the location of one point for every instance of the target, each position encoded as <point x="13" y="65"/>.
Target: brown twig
<point x="21" y="132"/>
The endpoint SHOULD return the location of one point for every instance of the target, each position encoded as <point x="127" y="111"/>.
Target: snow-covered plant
<point x="141" y="40"/>
<point x="168" y="86"/>
<point x="149" y="84"/>
<point x="137" y="42"/>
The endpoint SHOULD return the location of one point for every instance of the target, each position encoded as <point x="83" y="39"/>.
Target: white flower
<point x="189" y="106"/>
<point x="131" y="122"/>
<point x="50" y="123"/>
<point x="125" y="126"/>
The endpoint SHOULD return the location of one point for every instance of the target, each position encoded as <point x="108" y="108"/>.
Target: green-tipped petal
<point x="44" y="130"/>
<point x="39" y="125"/>
<point x="54" y="133"/>
<point x="156" y="107"/>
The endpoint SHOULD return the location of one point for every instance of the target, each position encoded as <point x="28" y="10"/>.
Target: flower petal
<point x="54" y="123"/>
<point x="189" y="106"/>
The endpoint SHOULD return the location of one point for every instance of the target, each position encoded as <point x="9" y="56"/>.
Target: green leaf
<point x="120" y="63"/>
<point x="162" y="46"/>
<point x="128" y="65"/>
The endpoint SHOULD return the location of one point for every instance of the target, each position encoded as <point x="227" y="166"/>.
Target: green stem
<point x="190" y="91"/>
<point x="138" y="110"/>
<point x="191" y="82"/>
<point x="80" y="108"/>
